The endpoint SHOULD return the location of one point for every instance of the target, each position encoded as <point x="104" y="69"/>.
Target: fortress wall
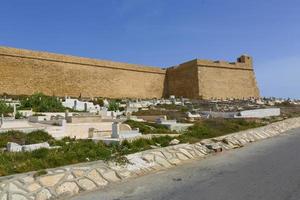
<point x="222" y="83"/>
<point x="26" y="72"/>
<point x="182" y="80"/>
<point x="46" y="56"/>
<point x="223" y="80"/>
<point x="213" y="79"/>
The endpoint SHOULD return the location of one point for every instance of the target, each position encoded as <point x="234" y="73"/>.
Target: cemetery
<point x="96" y="95"/>
<point x="39" y="132"/>
<point x="70" y="150"/>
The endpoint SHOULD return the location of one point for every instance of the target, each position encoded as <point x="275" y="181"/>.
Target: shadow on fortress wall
<point x="166" y="92"/>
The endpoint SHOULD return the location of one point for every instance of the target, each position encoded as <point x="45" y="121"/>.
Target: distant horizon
<point x="165" y="33"/>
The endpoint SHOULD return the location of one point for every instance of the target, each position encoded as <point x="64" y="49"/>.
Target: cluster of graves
<point x="88" y="120"/>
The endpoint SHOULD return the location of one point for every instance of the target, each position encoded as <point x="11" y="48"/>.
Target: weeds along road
<point x="265" y="170"/>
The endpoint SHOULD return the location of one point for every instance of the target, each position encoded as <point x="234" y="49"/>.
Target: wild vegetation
<point x="98" y="101"/>
<point x="174" y="107"/>
<point x="289" y="110"/>
<point x="23" y="138"/>
<point x="216" y="127"/>
<point x="5" y="109"/>
<point x="73" y="151"/>
<point x="70" y="152"/>
<point x="149" y="128"/>
<point x="178" y="113"/>
<point x="42" y="103"/>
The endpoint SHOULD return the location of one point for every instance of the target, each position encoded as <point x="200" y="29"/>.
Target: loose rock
<point x="174" y="142"/>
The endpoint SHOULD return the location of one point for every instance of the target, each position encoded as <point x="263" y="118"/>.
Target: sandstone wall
<point x="182" y="80"/>
<point x="222" y="83"/>
<point x="26" y="72"/>
<point x="213" y="79"/>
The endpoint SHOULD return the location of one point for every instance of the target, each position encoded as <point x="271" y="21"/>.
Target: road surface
<point x="265" y="170"/>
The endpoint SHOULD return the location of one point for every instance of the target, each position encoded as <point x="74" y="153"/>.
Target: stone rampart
<point x="182" y="80"/>
<point x="213" y="79"/>
<point x="27" y="72"/>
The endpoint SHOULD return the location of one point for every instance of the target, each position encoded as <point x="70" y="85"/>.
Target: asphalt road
<point x="265" y="170"/>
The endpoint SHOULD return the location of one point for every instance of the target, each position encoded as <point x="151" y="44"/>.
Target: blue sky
<point x="165" y="33"/>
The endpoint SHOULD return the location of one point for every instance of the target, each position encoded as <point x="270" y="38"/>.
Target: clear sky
<point x="165" y="32"/>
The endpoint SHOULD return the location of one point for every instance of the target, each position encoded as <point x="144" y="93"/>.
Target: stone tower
<point x="213" y="79"/>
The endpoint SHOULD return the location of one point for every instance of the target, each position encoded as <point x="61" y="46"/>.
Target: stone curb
<point x="68" y="181"/>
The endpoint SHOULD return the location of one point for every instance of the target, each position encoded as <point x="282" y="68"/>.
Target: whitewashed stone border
<point x="68" y="181"/>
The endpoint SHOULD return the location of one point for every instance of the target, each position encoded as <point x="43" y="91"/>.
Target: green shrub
<point x="5" y="109"/>
<point x="22" y="138"/>
<point x="113" y="105"/>
<point x="12" y="136"/>
<point x="40" y="153"/>
<point x="216" y="127"/>
<point x="149" y="128"/>
<point x="38" y="137"/>
<point x="18" y="115"/>
<point x="40" y="173"/>
<point x="42" y="103"/>
<point x="162" y="141"/>
<point x="69" y="153"/>
<point x="141" y="144"/>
